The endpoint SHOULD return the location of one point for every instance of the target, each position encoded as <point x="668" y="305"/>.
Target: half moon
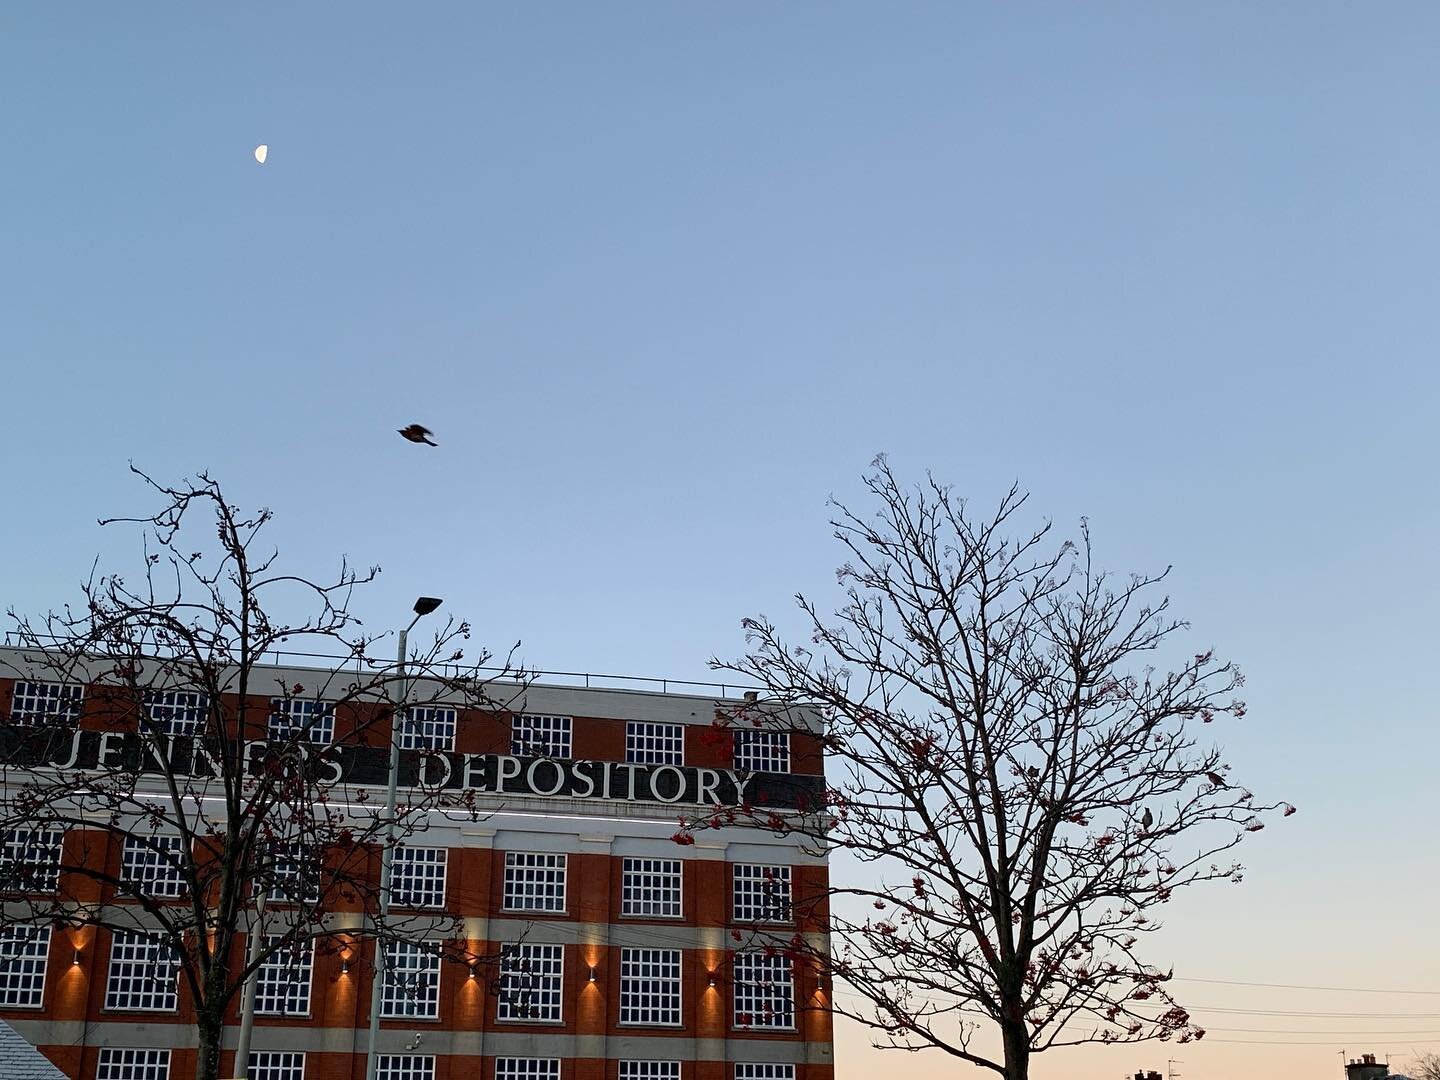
<point x="260" y="152"/>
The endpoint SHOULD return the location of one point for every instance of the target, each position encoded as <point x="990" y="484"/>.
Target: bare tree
<point x="198" y="794"/>
<point x="1425" y="1066"/>
<point x="1025" y="783"/>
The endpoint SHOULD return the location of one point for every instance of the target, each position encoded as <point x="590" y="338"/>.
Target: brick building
<point x="630" y="957"/>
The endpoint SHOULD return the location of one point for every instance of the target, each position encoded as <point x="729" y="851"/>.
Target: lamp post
<point x="423" y="606"/>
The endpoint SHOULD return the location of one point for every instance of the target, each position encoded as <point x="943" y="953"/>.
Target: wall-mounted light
<point x="76" y="961"/>
<point x="712" y="980"/>
<point x="345" y="966"/>
<point x="472" y="970"/>
<point x="592" y="974"/>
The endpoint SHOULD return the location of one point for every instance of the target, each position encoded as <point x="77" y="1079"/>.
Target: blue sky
<point x="664" y="277"/>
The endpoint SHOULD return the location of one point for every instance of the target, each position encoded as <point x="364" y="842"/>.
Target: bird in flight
<point x="416" y="433"/>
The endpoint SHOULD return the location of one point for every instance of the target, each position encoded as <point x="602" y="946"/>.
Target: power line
<point x="1299" y="986"/>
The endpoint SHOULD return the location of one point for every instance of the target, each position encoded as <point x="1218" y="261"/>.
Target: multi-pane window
<point x="762" y="751"/>
<point x="534" y="881"/>
<point x="118" y="1064"/>
<point x="276" y="1065"/>
<point x="764" y="990"/>
<point x="540" y="736"/>
<point x="649" y="986"/>
<point x="301" y="718"/>
<point x="650" y="887"/>
<point x="405" y="1067"/>
<point x="510" y="1068"/>
<point x="763" y="1070"/>
<point x="654" y="744"/>
<point x="30" y="860"/>
<point x="418" y="877"/>
<point x="412" y="980"/>
<point x="282" y="983"/>
<point x="24" y="951"/>
<point x="428" y="727"/>
<point x="531" y="982"/>
<point x="649" y="1070"/>
<point x="761" y="893"/>
<point x="180" y="713"/>
<point x="293" y="876"/>
<point x="144" y="973"/>
<point x="150" y="866"/>
<point x="41" y="704"/>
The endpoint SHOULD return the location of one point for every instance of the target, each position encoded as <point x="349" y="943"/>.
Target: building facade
<point x="625" y="955"/>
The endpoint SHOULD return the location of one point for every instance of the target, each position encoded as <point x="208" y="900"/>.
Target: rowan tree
<point x="1019" y="755"/>
<point x="214" y="775"/>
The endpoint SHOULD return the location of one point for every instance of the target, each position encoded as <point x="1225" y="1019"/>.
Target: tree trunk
<point x="210" y="1032"/>
<point x="1017" y="1049"/>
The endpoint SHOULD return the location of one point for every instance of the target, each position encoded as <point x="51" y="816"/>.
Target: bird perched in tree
<point x="1216" y="779"/>
<point x="416" y="433"/>
<point x="1147" y="819"/>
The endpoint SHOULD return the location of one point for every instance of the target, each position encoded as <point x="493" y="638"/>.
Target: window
<point x="301" y="718"/>
<point x="428" y="728"/>
<point x="764" y="990"/>
<point x="534" y="881"/>
<point x="180" y="713"/>
<point x="649" y="986"/>
<point x="143" y="974"/>
<point x="292" y="878"/>
<point x="30" y="860"/>
<point x="762" y="751"/>
<point x="746" y="1070"/>
<point x="412" y="981"/>
<point x="133" y="1064"/>
<point x="417" y="876"/>
<point x="650" y="887"/>
<point x="530" y="982"/>
<point x="540" y="736"/>
<point x="654" y="744"/>
<point x="150" y="866"/>
<point x="282" y="985"/>
<point x="41" y="703"/>
<point x="649" y="1070"/>
<point x="761" y="893"/>
<point x="24" y="951"/>
<point x="527" y="1068"/>
<point x="405" y="1067"/>
<point x="276" y="1065"/>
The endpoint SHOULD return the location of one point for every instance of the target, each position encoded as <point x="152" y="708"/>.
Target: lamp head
<point x="426" y="604"/>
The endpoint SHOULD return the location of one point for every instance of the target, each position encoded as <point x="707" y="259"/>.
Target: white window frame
<point x="532" y="984"/>
<point x="180" y="713"/>
<point x="530" y="882"/>
<point x="412" y="981"/>
<point x="24" y="957"/>
<point x="34" y="853"/>
<point x="652" y="888"/>
<point x="761" y="893"/>
<point x="290" y="868"/>
<point x="39" y="699"/>
<point x="650" y="742"/>
<point x="764" y="988"/>
<point x="552" y="735"/>
<point x="762" y="751"/>
<point x="141" y="969"/>
<point x="276" y="1065"/>
<point x="641" y="1069"/>
<point x="428" y="727"/>
<point x="147" y="870"/>
<point x="290" y="716"/>
<point x="283" y="983"/>
<point x="522" y="1068"/>
<point x="405" y="1067"/>
<point x="417" y="876"/>
<point x="764" y="1070"/>
<point x="125" y="1063"/>
<point x="650" y="987"/>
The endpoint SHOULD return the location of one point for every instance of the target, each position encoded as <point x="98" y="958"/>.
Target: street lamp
<point x="423" y="606"/>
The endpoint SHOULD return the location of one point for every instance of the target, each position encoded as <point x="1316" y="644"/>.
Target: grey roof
<point x="21" y="1061"/>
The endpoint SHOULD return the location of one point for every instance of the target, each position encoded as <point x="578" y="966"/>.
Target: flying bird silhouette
<point x="416" y="433"/>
